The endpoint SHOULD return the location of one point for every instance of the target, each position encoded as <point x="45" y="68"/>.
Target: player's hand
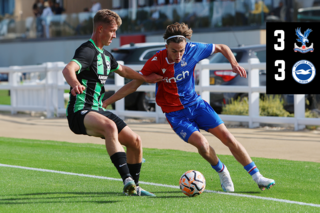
<point x="77" y="90"/>
<point x="153" y="78"/>
<point x="240" y="70"/>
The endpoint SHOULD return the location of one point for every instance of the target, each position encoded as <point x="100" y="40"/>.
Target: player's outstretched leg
<point x="101" y="126"/>
<point x="263" y="183"/>
<point x="133" y="143"/>
<point x="242" y="156"/>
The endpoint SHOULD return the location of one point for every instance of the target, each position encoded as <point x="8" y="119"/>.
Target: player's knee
<point x="204" y="147"/>
<point x="109" y="128"/>
<point x="137" y="143"/>
<point x="134" y="142"/>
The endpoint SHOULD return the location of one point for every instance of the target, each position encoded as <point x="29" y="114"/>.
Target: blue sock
<point x="219" y="167"/>
<point x="251" y="168"/>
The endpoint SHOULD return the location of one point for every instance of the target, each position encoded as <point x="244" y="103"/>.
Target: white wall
<point x="305" y="3"/>
<point x="37" y="52"/>
<point x="228" y="38"/>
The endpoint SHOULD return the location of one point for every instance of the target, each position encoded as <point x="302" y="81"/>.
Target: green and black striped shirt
<point x="95" y="66"/>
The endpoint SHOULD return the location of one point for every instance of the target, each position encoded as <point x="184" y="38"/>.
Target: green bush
<point x="273" y="106"/>
<point x="312" y="114"/>
<point x="236" y="107"/>
<point x="269" y="106"/>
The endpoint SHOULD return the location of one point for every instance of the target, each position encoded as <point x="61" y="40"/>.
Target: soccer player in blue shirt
<point x="184" y="109"/>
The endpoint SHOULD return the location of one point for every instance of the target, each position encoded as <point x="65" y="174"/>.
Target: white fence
<point x="47" y="95"/>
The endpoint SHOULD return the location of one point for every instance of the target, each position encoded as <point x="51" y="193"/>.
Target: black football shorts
<point x="75" y="120"/>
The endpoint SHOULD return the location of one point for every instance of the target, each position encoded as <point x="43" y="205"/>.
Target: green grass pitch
<point x="24" y="190"/>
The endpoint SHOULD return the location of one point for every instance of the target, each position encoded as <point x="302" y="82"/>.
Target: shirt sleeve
<point x="202" y="51"/>
<point x="151" y="66"/>
<point x="114" y="63"/>
<point x="83" y="57"/>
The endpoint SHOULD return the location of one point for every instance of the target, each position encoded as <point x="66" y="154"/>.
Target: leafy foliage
<point x="273" y="106"/>
<point x="270" y="105"/>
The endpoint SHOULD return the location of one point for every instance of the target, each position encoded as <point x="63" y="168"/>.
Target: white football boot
<point x="225" y="180"/>
<point x="263" y="183"/>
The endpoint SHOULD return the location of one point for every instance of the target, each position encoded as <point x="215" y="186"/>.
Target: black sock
<point x="119" y="159"/>
<point x="135" y="172"/>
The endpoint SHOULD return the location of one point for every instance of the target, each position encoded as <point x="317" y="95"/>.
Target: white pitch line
<point x="163" y="185"/>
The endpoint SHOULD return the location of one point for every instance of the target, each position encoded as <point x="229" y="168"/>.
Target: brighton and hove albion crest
<point x="303" y="39"/>
<point x="108" y="65"/>
<point x="303" y="72"/>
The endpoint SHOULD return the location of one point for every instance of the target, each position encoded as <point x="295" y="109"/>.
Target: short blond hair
<point x="177" y="29"/>
<point x="106" y="16"/>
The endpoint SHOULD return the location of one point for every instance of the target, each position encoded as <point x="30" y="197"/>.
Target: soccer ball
<point x="192" y="183"/>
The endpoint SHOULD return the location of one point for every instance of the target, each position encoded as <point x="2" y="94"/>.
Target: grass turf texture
<point x="4" y="97"/>
<point x="34" y="191"/>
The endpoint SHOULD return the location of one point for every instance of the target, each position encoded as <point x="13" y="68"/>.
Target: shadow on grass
<point x="35" y="196"/>
<point x="75" y="193"/>
<point x="39" y="202"/>
<point x="46" y="198"/>
<point x="82" y="195"/>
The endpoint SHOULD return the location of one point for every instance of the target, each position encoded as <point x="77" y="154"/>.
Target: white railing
<point x="33" y="94"/>
<point x="47" y="95"/>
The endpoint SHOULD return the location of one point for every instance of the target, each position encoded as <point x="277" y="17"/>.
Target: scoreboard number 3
<point x="280" y="40"/>
<point x="281" y="76"/>
<point x="279" y="63"/>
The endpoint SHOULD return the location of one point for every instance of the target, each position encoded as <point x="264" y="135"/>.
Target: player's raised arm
<point x="127" y="72"/>
<point x="226" y="51"/>
<point x="127" y="89"/>
<point x="132" y="86"/>
<point x="69" y="73"/>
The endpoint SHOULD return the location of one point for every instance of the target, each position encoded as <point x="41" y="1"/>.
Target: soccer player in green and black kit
<point x="86" y="75"/>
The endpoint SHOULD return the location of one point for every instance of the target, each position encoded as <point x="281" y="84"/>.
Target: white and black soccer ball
<point x="192" y="183"/>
